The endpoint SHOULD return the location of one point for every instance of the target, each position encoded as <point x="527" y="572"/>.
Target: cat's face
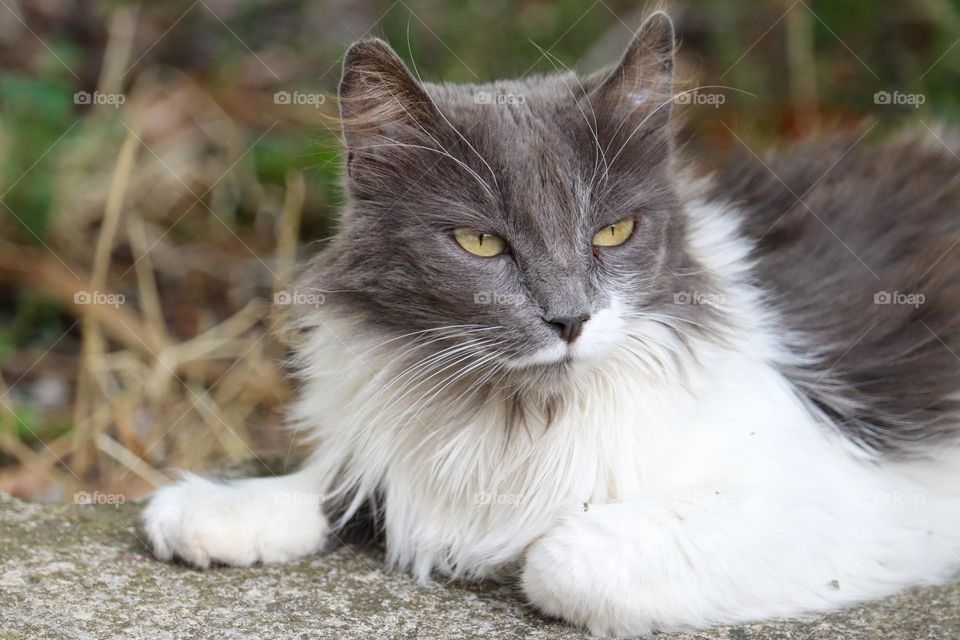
<point x="519" y="225"/>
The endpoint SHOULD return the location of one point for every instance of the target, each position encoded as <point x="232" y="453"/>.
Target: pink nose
<point x="570" y="327"/>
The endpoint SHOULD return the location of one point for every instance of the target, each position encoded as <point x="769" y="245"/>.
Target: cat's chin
<point x="554" y="355"/>
<point x="551" y="378"/>
<point x="544" y="381"/>
<point x="559" y="358"/>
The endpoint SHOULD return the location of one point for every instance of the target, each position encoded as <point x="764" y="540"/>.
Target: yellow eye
<point x="614" y="234"/>
<point x="479" y="243"/>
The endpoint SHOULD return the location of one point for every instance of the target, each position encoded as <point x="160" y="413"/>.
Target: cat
<point x="545" y="346"/>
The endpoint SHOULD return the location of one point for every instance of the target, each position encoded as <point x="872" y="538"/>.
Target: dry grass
<point x="163" y="201"/>
<point x="175" y="366"/>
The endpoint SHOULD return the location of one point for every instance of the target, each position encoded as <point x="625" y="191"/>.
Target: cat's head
<point x="519" y="225"/>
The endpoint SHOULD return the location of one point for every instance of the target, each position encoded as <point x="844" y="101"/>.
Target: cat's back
<point x="858" y="246"/>
<point x="871" y="197"/>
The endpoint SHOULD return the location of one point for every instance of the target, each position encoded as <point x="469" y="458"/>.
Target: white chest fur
<point x="712" y="492"/>
<point x="712" y="436"/>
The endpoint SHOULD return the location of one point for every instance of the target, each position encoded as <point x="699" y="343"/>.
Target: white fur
<point x="679" y="485"/>
<point x="238" y="523"/>
<point x="599" y="336"/>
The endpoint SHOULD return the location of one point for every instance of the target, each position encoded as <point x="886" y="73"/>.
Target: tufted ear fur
<point x="644" y="75"/>
<point x="378" y="95"/>
<point x="634" y="99"/>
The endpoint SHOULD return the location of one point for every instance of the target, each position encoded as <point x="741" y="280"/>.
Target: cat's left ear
<point x="379" y="97"/>
<point x="642" y="83"/>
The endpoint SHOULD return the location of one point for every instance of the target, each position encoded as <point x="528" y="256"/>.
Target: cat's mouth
<point x="556" y="362"/>
<point x="546" y="378"/>
<point x="553" y="355"/>
<point x="600" y="335"/>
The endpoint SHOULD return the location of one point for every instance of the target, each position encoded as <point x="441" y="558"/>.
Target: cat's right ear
<point x="640" y="87"/>
<point x="379" y="98"/>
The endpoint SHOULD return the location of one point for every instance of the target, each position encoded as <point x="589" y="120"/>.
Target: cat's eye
<point x="485" y="245"/>
<point x="614" y="234"/>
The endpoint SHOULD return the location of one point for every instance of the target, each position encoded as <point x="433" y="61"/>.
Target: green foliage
<point x="37" y="111"/>
<point x="37" y="322"/>
<point x="30" y="426"/>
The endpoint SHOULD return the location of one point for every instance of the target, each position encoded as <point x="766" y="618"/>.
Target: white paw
<point x="238" y="523"/>
<point x="582" y="570"/>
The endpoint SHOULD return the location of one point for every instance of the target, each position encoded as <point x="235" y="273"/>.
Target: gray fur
<point x="884" y="219"/>
<point x="539" y="173"/>
<point x="545" y="171"/>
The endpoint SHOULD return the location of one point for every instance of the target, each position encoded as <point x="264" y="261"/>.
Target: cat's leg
<point x="238" y="522"/>
<point x="626" y="569"/>
<point x="604" y="568"/>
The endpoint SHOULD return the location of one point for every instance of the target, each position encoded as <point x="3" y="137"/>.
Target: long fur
<point x="724" y="442"/>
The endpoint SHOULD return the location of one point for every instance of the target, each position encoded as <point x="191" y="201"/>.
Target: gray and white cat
<point x="550" y="349"/>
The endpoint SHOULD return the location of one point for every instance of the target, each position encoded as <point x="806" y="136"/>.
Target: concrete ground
<point x="82" y="571"/>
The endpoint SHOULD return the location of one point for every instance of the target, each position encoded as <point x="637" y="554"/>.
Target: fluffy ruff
<point x="678" y="482"/>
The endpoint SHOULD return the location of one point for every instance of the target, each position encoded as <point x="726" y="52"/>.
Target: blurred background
<point x="164" y="164"/>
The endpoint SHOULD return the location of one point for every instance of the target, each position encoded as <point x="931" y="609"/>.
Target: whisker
<point x="426" y="363"/>
<point x="442" y="152"/>
<point x="599" y="153"/>
<point x="424" y="401"/>
<point x="416" y="72"/>
<point x="443" y="357"/>
<point x="651" y="114"/>
<point x="644" y="315"/>
<point x="464" y="328"/>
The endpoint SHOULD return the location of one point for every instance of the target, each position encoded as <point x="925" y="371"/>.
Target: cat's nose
<point x="570" y="327"/>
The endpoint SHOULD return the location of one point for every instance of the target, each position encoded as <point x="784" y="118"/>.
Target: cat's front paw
<point x="581" y="571"/>
<point x="238" y="523"/>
